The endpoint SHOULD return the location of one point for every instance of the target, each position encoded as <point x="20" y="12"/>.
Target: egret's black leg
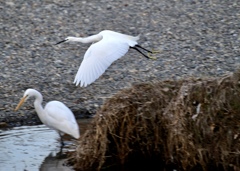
<point x="61" y="139"/>
<point x="143" y="48"/>
<point x="140" y="52"/>
<point x="61" y="150"/>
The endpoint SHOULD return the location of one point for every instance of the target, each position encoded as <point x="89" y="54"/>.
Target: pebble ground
<point x="196" y="38"/>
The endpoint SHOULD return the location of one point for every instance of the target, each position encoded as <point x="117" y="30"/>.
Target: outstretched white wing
<point x="98" y="58"/>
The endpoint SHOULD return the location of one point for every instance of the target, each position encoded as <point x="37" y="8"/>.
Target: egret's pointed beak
<point x="61" y="42"/>
<point x="20" y="103"/>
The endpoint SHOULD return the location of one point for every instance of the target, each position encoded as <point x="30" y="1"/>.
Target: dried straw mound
<point x="185" y="125"/>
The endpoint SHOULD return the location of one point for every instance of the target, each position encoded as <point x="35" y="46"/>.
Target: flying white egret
<point x="55" y="115"/>
<point x="109" y="47"/>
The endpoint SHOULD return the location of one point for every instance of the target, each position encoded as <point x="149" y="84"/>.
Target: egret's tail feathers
<point x="76" y="134"/>
<point x="137" y="37"/>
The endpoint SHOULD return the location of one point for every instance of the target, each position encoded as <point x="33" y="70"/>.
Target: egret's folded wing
<point x="60" y="117"/>
<point x="98" y="58"/>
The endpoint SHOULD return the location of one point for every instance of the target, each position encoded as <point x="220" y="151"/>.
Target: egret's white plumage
<point x="109" y="47"/>
<point x="55" y="115"/>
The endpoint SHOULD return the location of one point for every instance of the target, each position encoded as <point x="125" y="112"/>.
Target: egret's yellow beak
<point x="20" y="103"/>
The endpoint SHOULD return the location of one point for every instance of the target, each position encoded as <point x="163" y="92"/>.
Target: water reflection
<point x="55" y="162"/>
<point x="24" y="148"/>
<point x="34" y="148"/>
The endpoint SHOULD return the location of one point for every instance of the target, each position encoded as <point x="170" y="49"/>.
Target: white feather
<point x="55" y="115"/>
<point x="98" y="58"/>
<point x="109" y="47"/>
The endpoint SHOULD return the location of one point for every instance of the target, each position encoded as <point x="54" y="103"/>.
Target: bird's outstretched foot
<point x="150" y="54"/>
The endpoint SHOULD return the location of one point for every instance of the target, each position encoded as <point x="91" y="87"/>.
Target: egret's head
<point x="68" y="39"/>
<point x="28" y="93"/>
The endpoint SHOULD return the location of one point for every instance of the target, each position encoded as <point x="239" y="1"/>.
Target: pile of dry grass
<point x="186" y="125"/>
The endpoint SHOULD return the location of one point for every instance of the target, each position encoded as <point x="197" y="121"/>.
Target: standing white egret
<point x="109" y="47"/>
<point x="55" y="115"/>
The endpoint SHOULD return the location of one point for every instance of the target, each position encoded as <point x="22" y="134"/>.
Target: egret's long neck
<point x="90" y="39"/>
<point x="38" y="107"/>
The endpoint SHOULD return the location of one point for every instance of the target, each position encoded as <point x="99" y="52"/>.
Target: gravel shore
<point x="195" y="38"/>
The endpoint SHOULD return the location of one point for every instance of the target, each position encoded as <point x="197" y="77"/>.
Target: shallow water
<point x="33" y="148"/>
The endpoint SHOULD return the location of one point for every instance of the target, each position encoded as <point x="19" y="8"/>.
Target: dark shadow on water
<point x="55" y="162"/>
